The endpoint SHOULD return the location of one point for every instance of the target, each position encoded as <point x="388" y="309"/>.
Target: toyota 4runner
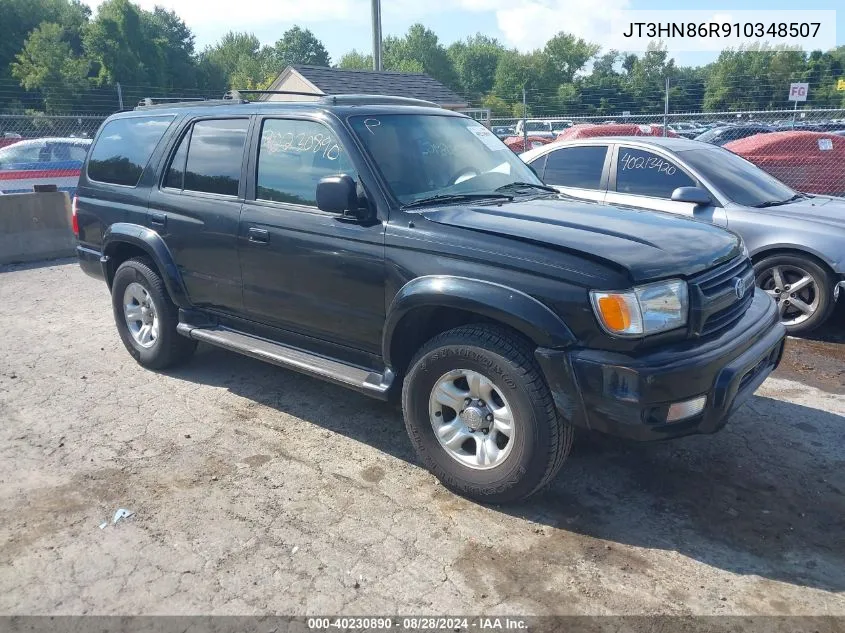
<point x="400" y="249"/>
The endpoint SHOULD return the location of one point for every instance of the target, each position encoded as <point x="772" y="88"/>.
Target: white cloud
<point x="524" y="24"/>
<point x="249" y="15"/>
<point x="528" y="24"/>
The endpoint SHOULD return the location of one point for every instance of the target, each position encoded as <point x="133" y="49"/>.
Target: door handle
<point x="158" y="219"/>
<point x="258" y="236"/>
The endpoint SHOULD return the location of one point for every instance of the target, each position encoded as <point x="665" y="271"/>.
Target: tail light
<point x="74" y="221"/>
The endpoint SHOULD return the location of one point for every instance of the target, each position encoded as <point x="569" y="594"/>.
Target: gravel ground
<point x="258" y="490"/>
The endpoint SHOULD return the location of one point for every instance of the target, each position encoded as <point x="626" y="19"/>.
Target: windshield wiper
<point x="456" y="197"/>
<point x="777" y="203"/>
<point x="523" y="185"/>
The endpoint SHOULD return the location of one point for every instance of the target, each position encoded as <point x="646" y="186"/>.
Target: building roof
<point x="340" y="81"/>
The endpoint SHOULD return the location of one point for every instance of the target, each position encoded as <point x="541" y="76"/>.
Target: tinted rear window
<point x="124" y="147"/>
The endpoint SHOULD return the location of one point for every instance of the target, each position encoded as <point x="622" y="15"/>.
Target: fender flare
<point x="506" y="305"/>
<point x="153" y="245"/>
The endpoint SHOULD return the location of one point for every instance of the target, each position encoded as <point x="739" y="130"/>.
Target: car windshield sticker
<point x="487" y="137"/>
<point x="825" y="144"/>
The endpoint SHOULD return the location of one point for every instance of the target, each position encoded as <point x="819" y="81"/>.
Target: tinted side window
<point x="215" y="156"/>
<point x="576" y="167"/>
<point x="646" y="174"/>
<point x="539" y="165"/>
<point x="293" y="157"/>
<point x="124" y="147"/>
<point x="175" y="177"/>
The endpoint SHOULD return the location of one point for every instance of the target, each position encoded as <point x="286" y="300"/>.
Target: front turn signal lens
<point x="615" y="313"/>
<point x="618" y="312"/>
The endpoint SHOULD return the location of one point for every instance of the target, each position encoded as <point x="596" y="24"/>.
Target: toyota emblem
<point x="739" y="287"/>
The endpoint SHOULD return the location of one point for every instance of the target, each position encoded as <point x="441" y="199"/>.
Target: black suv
<point x="400" y="249"/>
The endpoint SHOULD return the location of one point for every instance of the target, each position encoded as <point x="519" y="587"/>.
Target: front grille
<point x="714" y="302"/>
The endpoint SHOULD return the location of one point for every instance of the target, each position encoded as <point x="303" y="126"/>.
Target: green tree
<point x="238" y="61"/>
<point x="419" y="50"/>
<point x="20" y="17"/>
<point x="298" y="46"/>
<point x="174" y="44"/>
<point x="498" y="107"/>
<point x="475" y="61"/>
<point x="353" y="60"/>
<point x="567" y="55"/>
<point x="48" y="64"/>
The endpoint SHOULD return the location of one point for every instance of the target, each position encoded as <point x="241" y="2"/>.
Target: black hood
<point x="648" y="244"/>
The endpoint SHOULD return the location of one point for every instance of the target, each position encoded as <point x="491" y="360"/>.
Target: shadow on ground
<point x="761" y="497"/>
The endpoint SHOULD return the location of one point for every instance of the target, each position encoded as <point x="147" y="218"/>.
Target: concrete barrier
<point x="35" y="226"/>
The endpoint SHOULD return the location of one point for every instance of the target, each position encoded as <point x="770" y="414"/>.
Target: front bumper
<point x="629" y="395"/>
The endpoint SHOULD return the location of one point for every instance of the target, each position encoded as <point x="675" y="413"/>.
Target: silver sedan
<point x="796" y="240"/>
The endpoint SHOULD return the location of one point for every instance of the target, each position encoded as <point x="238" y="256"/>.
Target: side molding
<point x="495" y="301"/>
<point x="151" y="243"/>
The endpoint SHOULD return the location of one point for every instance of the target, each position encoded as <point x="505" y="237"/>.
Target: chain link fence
<point x="802" y="144"/>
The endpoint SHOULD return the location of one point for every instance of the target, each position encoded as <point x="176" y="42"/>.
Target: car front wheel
<point x="481" y="417"/>
<point x="802" y="289"/>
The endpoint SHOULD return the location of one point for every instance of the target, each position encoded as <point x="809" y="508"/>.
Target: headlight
<point x="745" y="252"/>
<point x="643" y="310"/>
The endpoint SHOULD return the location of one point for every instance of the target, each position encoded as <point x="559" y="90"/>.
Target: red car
<point x="812" y="162"/>
<point x="590" y="130"/>
<point x="517" y="144"/>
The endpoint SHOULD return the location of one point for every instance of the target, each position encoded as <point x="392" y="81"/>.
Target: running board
<point x="368" y="382"/>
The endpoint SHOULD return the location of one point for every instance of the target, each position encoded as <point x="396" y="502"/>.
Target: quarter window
<point x="579" y="167"/>
<point x="124" y="147"/>
<point x="646" y="174"/>
<point x="293" y="157"/>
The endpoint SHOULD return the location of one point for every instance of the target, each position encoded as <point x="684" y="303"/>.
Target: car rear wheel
<point x="802" y="289"/>
<point x="481" y="417"/>
<point x="146" y="318"/>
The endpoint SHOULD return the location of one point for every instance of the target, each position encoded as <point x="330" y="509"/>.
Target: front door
<point x="306" y="270"/>
<point x="647" y="179"/>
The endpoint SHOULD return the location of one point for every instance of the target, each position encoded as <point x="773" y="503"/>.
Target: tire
<point x="165" y="349"/>
<point x="539" y="441"/>
<point x="818" y="295"/>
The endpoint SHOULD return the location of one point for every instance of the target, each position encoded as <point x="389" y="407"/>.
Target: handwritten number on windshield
<point x="641" y="162"/>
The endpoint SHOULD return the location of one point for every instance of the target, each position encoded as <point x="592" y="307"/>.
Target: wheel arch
<point x="123" y="241"/>
<point x="427" y="306"/>
<point x="795" y="251"/>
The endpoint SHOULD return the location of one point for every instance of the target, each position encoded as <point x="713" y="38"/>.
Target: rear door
<point x="196" y="207"/>
<point x="642" y="178"/>
<point x="579" y="171"/>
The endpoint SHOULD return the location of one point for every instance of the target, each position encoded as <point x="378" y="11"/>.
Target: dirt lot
<point x="257" y="490"/>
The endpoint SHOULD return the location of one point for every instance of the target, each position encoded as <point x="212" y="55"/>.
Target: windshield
<point x="537" y="126"/>
<point x="425" y="155"/>
<point x="737" y="179"/>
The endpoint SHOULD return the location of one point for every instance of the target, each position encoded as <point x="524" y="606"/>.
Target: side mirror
<point x="693" y="195"/>
<point x="337" y="194"/>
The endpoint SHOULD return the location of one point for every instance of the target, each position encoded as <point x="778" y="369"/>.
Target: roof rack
<point x="171" y="102"/>
<point x="236" y="93"/>
<point x="363" y="99"/>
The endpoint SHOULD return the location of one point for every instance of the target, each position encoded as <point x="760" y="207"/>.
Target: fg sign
<point x="798" y="92"/>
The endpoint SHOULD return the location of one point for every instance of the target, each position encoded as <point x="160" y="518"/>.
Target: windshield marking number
<point x="639" y="162"/>
<point x="275" y="142"/>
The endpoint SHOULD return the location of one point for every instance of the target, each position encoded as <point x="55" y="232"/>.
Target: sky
<point x="524" y="24"/>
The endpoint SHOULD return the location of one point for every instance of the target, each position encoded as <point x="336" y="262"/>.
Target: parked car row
<point x="796" y="240"/>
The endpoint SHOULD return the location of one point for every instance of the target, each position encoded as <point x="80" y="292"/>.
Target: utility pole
<point x="666" y="111"/>
<point x="377" y="35"/>
<point x="524" y="121"/>
<point x="120" y="96"/>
